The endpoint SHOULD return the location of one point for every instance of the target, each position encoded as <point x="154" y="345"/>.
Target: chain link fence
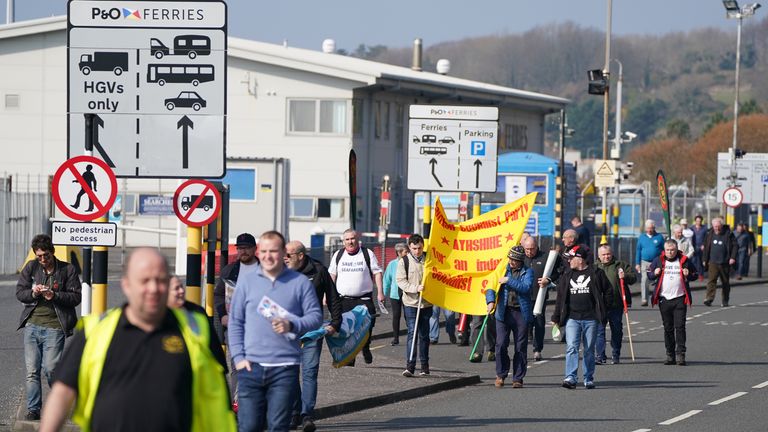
<point x="24" y="212"/>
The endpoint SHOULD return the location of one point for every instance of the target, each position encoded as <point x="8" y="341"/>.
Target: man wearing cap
<point x="513" y="314"/>
<point x="245" y="263"/>
<point x="582" y="293"/>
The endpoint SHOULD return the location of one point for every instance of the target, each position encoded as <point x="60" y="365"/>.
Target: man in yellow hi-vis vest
<point x="142" y="367"/>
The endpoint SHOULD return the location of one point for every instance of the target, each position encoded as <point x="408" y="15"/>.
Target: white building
<point x="307" y="108"/>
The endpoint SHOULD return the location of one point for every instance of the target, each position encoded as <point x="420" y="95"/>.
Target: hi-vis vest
<point x="210" y="396"/>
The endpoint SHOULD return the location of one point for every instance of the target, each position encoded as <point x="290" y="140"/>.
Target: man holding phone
<point x="50" y="291"/>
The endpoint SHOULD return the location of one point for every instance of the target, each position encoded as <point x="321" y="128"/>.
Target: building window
<point x="316" y="208"/>
<point x="357" y="117"/>
<point x="302" y="208"/>
<point x="317" y="116"/>
<point x="377" y="119"/>
<point x="12" y="101"/>
<point x="515" y="137"/>
<point x="385" y="119"/>
<point x="242" y="183"/>
<point x="301" y="116"/>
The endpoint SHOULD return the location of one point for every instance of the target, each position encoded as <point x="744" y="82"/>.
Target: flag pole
<point x="479" y="335"/>
<point x="626" y="314"/>
<point x="415" y="329"/>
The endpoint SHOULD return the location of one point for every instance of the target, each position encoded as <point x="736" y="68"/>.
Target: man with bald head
<point x="141" y="366"/>
<point x="296" y="258"/>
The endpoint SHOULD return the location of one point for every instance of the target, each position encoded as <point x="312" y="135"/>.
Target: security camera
<point x="630" y="135"/>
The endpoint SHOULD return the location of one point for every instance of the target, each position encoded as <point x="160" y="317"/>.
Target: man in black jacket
<point x="582" y="293"/>
<point x="720" y="251"/>
<point x="50" y="291"/>
<point x="296" y="258"/>
<point x="245" y="263"/>
<point x="536" y="260"/>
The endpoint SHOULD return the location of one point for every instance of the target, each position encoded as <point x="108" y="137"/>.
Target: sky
<point x="395" y="23"/>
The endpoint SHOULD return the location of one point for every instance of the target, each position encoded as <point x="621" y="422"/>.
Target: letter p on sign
<point x="478" y="148"/>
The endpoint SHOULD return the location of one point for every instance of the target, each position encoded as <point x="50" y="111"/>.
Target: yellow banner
<point x="466" y="258"/>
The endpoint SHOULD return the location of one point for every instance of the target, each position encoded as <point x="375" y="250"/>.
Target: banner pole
<point x="479" y="335"/>
<point x="626" y="314"/>
<point x="415" y="328"/>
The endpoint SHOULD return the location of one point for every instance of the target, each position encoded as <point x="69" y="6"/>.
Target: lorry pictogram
<point x="205" y="203"/>
<point x="104" y="61"/>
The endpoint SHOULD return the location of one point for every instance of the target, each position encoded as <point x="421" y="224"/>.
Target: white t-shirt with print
<point x="352" y="276"/>
<point x="672" y="285"/>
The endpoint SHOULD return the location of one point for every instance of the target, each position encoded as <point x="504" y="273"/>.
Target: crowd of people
<point x="275" y="292"/>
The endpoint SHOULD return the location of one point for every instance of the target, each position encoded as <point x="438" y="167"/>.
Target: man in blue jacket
<point x="512" y="315"/>
<point x="649" y="245"/>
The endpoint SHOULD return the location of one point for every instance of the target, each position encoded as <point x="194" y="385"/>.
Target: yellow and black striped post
<point x="558" y="205"/>
<point x="100" y="256"/>
<point x="427" y="213"/>
<point x="475" y="205"/>
<point x="615" y="222"/>
<point x="210" y="264"/>
<point x="760" y="210"/>
<point x="194" y="261"/>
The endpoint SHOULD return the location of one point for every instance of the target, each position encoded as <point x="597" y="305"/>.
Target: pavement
<point x="353" y="389"/>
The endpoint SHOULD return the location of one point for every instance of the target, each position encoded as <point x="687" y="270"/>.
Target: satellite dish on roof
<point x="329" y="46"/>
<point x="443" y="66"/>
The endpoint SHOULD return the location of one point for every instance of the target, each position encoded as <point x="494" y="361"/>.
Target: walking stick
<point x="479" y="335"/>
<point x="415" y="329"/>
<point x="626" y="314"/>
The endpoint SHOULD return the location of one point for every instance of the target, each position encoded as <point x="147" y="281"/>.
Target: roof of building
<point x="516" y="162"/>
<point x="369" y="73"/>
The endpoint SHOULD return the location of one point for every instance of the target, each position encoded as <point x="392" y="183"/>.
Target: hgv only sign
<point x="152" y="77"/>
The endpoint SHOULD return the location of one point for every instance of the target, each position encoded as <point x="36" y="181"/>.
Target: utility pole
<point x="606" y="110"/>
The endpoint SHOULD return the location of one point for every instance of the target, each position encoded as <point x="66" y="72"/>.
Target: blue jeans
<point x="617" y="334"/>
<point x="576" y="332"/>
<point x="42" y="350"/>
<point x="423" y="336"/>
<point x="266" y="396"/>
<point x="310" y="363"/>
<point x="516" y="324"/>
<point x="434" y="323"/>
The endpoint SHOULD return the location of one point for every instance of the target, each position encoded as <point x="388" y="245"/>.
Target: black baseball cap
<point x="246" y="240"/>
<point x="581" y="251"/>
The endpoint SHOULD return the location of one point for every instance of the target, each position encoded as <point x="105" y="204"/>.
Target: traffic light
<point x="598" y="82"/>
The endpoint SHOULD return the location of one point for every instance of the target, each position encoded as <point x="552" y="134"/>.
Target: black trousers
<point x="349" y="303"/>
<point x="397" y="311"/>
<point x="673" y="317"/>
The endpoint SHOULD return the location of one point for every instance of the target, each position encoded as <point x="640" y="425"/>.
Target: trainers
<point x="408" y="372"/>
<point x="724" y="305"/>
<point x="433" y="341"/>
<point x="452" y="338"/>
<point x="570" y="385"/>
<point x="367" y="356"/>
<point x="589" y="385"/>
<point x="644" y="303"/>
<point x="295" y="422"/>
<point x="395" y="342"/>
<point x="536" y="356"/>
<point x="307" y="425"/>
<point x="517" y="384"/>
<point x="600" y="361"/>
<point x="615" y="360"/>
<point x="424" y="370"/>
<point x="32" y="416"/>
<point x="499" y="382"/>
<point x="476" y="358"/>
<point x="491" y="356"/>
<point x="707" y="303"/>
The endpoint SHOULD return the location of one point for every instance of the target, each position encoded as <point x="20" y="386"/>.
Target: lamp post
<point x="733" y="11"/>
<point x="606" y="110"/>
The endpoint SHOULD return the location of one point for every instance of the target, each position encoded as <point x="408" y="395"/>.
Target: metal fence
<point x="24" y="212"/>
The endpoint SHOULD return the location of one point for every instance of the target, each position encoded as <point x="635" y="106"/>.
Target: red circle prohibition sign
<point x="101" y="207"/>
<point x="186" y="215"/>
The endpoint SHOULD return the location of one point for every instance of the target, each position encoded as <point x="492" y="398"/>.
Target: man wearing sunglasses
<point x="50" y="291"/>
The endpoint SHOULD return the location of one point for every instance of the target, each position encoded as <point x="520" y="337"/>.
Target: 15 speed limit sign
<point x="732" y="197"/>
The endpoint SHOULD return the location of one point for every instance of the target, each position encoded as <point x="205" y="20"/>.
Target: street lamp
<point x="733" y="11"/>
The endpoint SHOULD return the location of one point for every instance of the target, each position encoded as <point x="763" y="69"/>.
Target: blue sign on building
<point x="155" y="205"/>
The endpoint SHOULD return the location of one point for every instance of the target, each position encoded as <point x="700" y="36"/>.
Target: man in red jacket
<point x="673" y="271"/>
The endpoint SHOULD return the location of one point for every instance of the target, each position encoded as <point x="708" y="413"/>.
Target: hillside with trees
<point x="678" y="87"/>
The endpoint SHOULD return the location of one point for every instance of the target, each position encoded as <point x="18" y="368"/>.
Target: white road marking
<point x="761" y="385"/>
<point x="764" y="324"/>
<point x="727" y="398"/>
<point x="738" y="323"/>
<point x="641" y="430"/>
<point x="690" y="413"/>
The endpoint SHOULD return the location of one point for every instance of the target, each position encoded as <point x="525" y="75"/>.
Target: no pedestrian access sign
<point x="84" y="188"/>
<point x="452" y="148"/>
<point x="151" y="77"/>
<point x="196" y="202"/>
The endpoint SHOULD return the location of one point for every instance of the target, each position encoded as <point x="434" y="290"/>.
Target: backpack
<point x="366" y="256"/>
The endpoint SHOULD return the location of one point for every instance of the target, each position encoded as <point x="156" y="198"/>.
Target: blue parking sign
<point x="478" y="148"/>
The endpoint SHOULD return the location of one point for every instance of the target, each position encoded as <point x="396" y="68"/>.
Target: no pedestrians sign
<point x="84" y="188"/>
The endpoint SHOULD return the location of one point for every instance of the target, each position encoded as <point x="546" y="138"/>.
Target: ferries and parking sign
<point x="146" y="85"/>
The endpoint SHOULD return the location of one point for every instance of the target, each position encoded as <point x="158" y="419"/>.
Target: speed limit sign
<point x="732" y="197"/>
